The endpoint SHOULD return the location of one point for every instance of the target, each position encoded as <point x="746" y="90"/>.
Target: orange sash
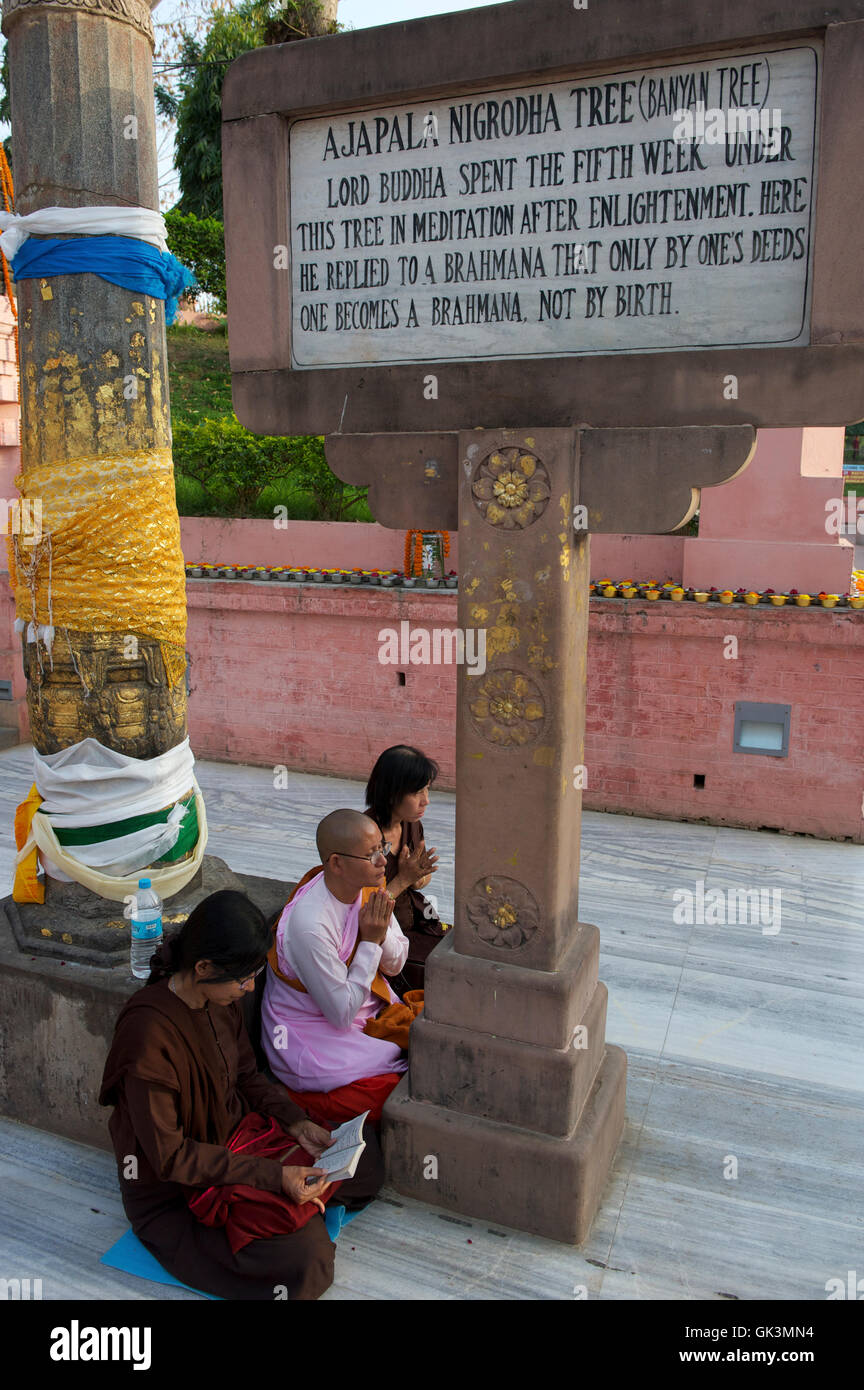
<point x="27" y="888"/>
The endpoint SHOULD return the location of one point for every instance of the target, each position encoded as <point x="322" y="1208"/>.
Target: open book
<point x="341" y="1159"/>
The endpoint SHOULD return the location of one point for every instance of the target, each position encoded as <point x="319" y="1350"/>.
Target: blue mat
<point x="132" y="1257"/>
<point x="336" y="1217"/>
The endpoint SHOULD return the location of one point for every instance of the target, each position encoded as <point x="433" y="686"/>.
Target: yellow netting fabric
<point x="109" y="557"/>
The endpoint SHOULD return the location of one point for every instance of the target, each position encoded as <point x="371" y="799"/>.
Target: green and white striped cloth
<point x="119" y="847"/>
<point x="118" y="814"/>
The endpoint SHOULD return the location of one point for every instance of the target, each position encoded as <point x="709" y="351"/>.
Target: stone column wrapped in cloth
<point x="124" y="245"/>
<point x="99" y="817"/>
<point x="107" y="560"/>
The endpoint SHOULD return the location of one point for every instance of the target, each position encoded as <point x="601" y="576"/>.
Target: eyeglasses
<point x="233" y="980"/>
<point x="254" y="976"/>
<point x="380" y="853"/>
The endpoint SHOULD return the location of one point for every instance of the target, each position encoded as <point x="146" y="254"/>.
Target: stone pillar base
<point x="542" y="1007"/>
<point x="498" y="1079"/>
<point x="74" y="924"/>
<point x="496" y="1172"/>
<point x="57" y="1020"/>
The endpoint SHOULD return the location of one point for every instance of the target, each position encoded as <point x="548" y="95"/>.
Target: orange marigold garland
<point x="414" y="550"/>
<point x="8" y="192"/>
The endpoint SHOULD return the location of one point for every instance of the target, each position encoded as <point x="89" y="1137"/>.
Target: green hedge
<point x="236" y="473"/>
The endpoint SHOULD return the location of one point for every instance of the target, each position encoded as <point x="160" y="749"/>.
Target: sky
<point x="354" y="14"/>
<point x="362" y="14"/>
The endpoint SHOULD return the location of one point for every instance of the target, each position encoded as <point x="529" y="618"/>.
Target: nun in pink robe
<point x="314" y="1040"/>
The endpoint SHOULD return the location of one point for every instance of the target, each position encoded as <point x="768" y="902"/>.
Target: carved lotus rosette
<point x="511" y="488"/>
<point x="508" y="709"/>
<point x="502" y="912"/>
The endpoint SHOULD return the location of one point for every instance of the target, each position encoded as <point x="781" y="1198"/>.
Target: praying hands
<point x="416" y="867"/>
<point x="375" y="916"/>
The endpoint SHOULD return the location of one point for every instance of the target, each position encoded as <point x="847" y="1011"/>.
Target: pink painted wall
<point x="766" y="528"/>
<point x="10" y="453"/>
<point x="770" y="498"/>
<point x="766" y="564"/>
<point x="331" y="544"/>
<point x="292" y="677"/>
<point x="637" y="557"/>
<point x="661" y="706"/>
<point x="822" y="453"/>
<point x="13" y="713"/>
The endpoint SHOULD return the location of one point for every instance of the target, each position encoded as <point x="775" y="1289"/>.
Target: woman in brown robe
<point x="397" y="796"/>
<point x="181" y="1076"/>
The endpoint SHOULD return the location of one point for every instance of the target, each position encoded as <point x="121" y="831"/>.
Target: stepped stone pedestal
<point x="514" y="1104"/>
<point x="59" y="1004"/>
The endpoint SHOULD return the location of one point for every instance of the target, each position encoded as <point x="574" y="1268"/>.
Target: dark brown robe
<point x="181" y="1080"/>
<point x="423" y="932"/>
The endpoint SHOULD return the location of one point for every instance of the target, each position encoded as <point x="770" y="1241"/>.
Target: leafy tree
<point x="197" y="102"/>
<point x="199" y="242"/>
<point x="5" y="104"/>
<point x="302" y="19"/>
<point x="231" y="465"/>
<point x="334" y="498"/>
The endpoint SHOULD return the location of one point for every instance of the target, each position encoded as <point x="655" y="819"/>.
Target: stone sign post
<point x="538" y="271"/>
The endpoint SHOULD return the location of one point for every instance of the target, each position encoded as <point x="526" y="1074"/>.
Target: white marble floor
<point x="745" y="1057"/>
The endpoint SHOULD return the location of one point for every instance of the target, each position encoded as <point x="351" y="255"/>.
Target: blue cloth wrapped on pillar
<point x="126" y="261"/>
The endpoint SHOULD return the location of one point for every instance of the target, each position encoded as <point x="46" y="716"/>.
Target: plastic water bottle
<point x="146" y="919"/>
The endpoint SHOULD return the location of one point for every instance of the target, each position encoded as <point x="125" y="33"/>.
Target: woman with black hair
<point x="192" y="1114"/>
<point x="397" y="795"/>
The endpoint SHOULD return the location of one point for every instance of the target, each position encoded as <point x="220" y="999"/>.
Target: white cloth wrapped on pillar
<point x="90" y="786"/>
<point x="141" y="223"/>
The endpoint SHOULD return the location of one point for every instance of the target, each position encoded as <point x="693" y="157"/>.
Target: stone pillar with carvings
<point x="513" y="1091"/>
<point x="84" y="134"/>
<point x="101" y="593"/>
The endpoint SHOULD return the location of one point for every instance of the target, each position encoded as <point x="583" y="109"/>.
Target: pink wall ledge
<point x="292" y="676"/>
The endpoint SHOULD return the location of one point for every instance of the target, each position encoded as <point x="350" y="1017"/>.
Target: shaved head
<point x="343" y="832"/>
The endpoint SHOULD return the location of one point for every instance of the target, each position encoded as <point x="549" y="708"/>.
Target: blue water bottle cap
<point x="143" y="883"/>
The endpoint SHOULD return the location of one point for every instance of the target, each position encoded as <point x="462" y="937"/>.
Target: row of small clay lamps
<point x="677" y="593"/>
<point x="306" y="574"/>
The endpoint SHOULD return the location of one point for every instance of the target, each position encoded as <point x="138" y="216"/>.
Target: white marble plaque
<point x="640" y="211"/>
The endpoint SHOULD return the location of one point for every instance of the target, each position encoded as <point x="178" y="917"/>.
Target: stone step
<point x="497" y="1172"/>
<point x="498" y="1079"/>
<point x="507" y="1000"/>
